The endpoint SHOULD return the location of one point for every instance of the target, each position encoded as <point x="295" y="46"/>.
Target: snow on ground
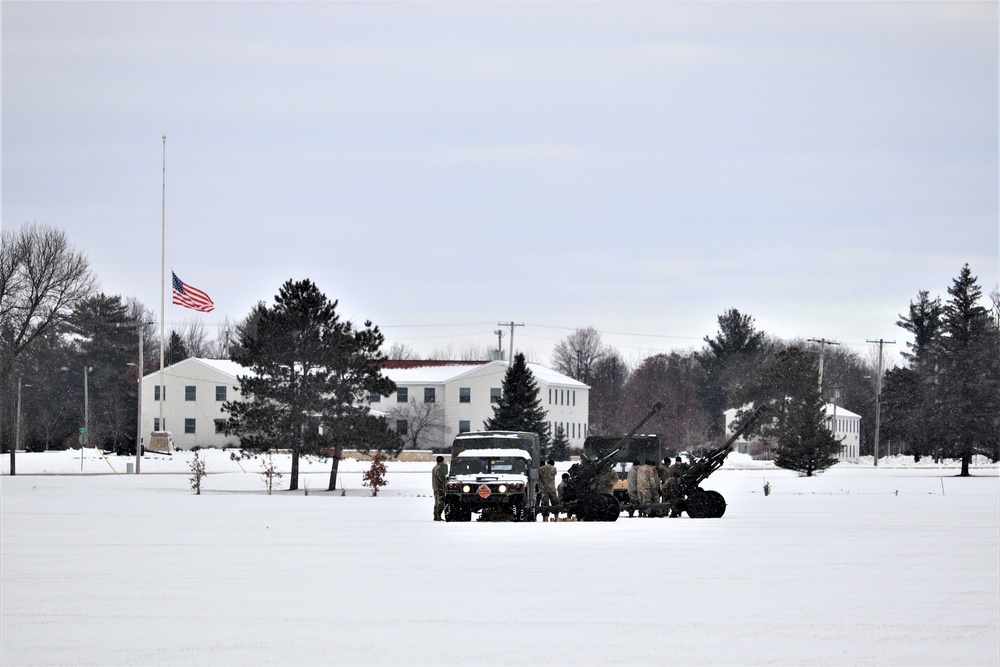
<point x="859" y="566"/>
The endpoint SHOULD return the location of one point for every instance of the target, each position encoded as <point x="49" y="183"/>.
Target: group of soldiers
<point x="649" y="483"/>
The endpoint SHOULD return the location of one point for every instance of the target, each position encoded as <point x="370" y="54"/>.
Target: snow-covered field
<point x="860" y="566"/>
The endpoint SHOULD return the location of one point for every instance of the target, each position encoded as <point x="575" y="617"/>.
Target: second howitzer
<point x="687" y="494"/>
<point x="580" y="498"/>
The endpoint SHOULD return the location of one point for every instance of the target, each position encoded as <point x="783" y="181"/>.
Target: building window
<point x="190" y="393"/>
<point x="464" y="395"/>
<point x="429" y="394"/>
<point x="220" y="392"/>
<point x="464" y="426"/>
<point x="550" y="395"/>
<point x="574" y="398"/>
<point x="401" y="426"/>
<point x="157" y="392"/>
<point x="402" y="395"/>
<point x="189" y="425"/>
<point x="156" y="424"/>
<point x="495" y="395"/>
<point x="220" y="426"/>
<point x="374" y="398"/>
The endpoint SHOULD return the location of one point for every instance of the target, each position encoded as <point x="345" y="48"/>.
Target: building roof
<point x="828" y="410"/>
<point x="224" y="366"/>
<point x="408" y="371"/>
<point x="418" y="372"/>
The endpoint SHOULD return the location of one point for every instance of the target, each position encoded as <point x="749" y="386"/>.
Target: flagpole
<point x="163" y="276"/>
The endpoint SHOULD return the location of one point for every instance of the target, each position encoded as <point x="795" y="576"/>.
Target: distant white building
<point x="469" y="390"/>
<point x="193" y="392"/>
<point x="844" y="424"/>
<point x="195" y="389"/>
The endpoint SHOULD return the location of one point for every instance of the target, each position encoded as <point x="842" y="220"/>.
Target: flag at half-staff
<point x="191" y="297"/>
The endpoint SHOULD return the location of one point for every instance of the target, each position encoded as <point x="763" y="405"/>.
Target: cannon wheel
<point x="698" y="504"/>
<point x="716" y="504"/>
<point x="613" y="509"/>
<point x="591" y="506"/>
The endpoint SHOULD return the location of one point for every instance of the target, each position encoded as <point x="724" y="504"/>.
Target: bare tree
<point x="225" y="338"/>
<point x="42" y="278"/>
<point x="196" y="339"/>
<point x="995" y="299"/>
<point x="468" y="352"/>
<point x="424" y="423"/>
<point x="401" y="352"/>
<point x="577" y="354"/>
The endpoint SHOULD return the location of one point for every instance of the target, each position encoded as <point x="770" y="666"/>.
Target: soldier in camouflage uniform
<point x="547" y="488"/>
<point x="649" y="485"/>
<point x="439" y="477"/>
<point x="606" y="482"/>
<point x="672" y="487"/>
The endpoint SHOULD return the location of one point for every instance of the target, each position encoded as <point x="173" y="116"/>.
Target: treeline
<point x="56" y="328"/>
<point x="945" y="402"/>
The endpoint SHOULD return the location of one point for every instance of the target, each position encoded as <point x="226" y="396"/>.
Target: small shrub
<point x="197" y="473"/>
<point x="375" y="476"/>
<point x="767" y="488"/>
<point x="270" y="472"/>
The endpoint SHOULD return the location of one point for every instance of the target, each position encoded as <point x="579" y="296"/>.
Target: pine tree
<point x="309" y="373"/>
<point x="729" y="360"/>
<point x="519" y="407"/>
<point x="559" y="448"/>
<point x="969" y="387"/>
<point x="796" y="427"/>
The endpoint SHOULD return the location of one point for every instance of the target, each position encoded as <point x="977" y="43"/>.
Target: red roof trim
<point x="422" y="363"/>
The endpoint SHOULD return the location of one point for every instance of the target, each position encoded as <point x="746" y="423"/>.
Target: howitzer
<point x="580" y="498"/>
<point x="683" y="492"/>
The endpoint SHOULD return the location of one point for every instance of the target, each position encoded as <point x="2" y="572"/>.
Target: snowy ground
<point x="860" y="566"/>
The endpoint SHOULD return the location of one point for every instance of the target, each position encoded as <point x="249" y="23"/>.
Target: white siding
<point x="204" y="376"/>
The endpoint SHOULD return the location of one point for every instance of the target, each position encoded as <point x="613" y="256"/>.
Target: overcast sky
<point x="442" y="167"/>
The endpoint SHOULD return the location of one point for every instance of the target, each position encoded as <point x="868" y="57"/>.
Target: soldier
<point x="547" y="488"/>
<point x="633" y="482"/>
<point x="672" y="487"/>
<point x="439" y="477"/>
<point x="649" y="485"/>
<point x="606" y="483"/>
<point x="561" y="491"/>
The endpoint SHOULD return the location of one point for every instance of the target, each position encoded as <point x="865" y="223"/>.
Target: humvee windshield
<point x="486" y="466"/>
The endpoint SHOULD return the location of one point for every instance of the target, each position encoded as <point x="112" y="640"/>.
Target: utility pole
<point x="511" y="325"/>
<point x="878" y="391"/>
<point x="822" y="352"/>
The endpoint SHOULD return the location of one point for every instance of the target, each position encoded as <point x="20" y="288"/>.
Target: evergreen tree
<point x="559" y="448"/>
<point x="176" y="349"/>
<point x="729" y="360"/>
<point x="309" y="372"/>
<point x="107" y="340"/>
<point x="519" y="407"/>
<point x="796" y="423"/>
<point x="969" y="394"/>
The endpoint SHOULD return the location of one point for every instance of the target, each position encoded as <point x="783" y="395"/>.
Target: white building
<point x="468" y="391"/>
<point x="844" y="424"/>
<point x="195" y="389"/>
<point x="193" y="393"/>
<point x="846" y="427"/>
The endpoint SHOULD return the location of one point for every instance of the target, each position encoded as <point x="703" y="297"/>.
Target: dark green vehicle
<point x="493" y="474"/>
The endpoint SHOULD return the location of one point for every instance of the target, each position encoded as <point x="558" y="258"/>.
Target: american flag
<point x="191" y="297"/>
